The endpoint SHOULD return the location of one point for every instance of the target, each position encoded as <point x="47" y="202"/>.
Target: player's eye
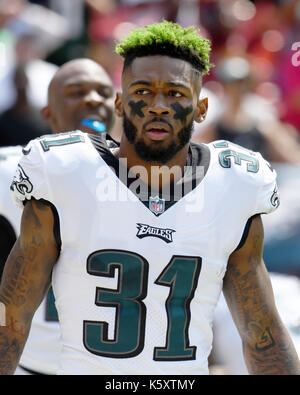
<point x="142" y="91"/>
<point x="174" y="93"/>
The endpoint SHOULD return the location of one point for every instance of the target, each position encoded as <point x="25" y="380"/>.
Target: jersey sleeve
<point x="267" y="199"/>
<point x="30" y="180"/>
<point x="254" y="175"/>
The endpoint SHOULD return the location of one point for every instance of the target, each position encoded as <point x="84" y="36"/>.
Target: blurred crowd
<point x="254" y="88"/>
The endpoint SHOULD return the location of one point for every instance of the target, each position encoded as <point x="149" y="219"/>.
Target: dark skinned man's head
<point x="80" y="97"/>
<point x="161" y="83"/>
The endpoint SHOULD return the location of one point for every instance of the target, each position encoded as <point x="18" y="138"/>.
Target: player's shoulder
<point x="246" y="170"/>
<point x="52" y="159"/>
<point x="43" y="158"/>
<point x="59" y="150"/>
<point x="45" y="143"/>
<point x="67" y="145"/>
<point x="237" y="160"/>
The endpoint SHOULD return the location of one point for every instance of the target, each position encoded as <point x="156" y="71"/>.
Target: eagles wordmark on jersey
<point x="151" y="231"/>
<point x="136" y="291"/>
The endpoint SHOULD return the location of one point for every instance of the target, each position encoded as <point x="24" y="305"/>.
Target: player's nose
<point x="159" y="106"/>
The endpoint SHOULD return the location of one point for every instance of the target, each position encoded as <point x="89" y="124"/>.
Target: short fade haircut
<point x="168" y="39"/>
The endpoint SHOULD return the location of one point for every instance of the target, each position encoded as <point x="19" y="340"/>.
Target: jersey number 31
<point x="180" y="275"/>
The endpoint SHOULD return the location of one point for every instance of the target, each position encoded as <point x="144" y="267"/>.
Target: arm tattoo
<point x="25" y="279"/>
<point x="267" y="346"/>
<point x="10" y="349"/>
<point x="17" y="282"/>
<point x="14" y="291"/>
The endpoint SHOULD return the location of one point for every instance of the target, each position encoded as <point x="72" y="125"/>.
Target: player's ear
<point x="119" y="104"/>
<point x="49" y="118"/>
<point x="202" y="108"/>
<point x="46" y="114"/>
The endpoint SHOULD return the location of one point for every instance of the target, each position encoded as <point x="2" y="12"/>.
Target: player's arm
<point x="7" y="240"/>
<point x="267" y="346"/>
<point x="25" y="280"/>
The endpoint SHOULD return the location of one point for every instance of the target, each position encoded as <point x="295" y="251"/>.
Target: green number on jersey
<point x="51" y="312"/>
<point x="130" y="310"/>
<point x="225" y="161"/>
<point x="58" y="140"/>
<point x="181" y="275"/>
<point x="226" y="156"/>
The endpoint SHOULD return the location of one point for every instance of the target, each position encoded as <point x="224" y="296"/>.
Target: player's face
<point x="159" y="103"/>
<point x="85" y="93"/>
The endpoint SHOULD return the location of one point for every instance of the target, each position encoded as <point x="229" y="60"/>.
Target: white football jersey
<point x="42" y="349"/>
<point x="138" y="276"/>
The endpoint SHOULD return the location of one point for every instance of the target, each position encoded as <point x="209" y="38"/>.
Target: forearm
<point x="18" y="300"/>
<point x="13" y="332"/>
<point x="12" y="340"/>
<point x="267" y="346"/>
<point x="26" y="279"/>
<point x="273" y="352"/>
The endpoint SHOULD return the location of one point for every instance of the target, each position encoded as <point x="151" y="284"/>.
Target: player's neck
<point x="154" y="173"/>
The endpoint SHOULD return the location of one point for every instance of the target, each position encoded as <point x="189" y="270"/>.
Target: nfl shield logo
<point x="156" y="205"/>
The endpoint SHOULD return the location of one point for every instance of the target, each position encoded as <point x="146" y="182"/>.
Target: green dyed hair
<point x="169" y="39"/>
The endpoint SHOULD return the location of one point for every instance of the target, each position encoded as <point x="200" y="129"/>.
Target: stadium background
<point x="256" y="50"/>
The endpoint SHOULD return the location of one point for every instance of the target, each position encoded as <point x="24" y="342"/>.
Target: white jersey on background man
<point x="9" y="158"/>
<point x="139" y="276"/>
<point x="42" y="349"/>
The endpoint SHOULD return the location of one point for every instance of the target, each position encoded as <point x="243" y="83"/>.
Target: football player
<point x="150" y="232"/>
